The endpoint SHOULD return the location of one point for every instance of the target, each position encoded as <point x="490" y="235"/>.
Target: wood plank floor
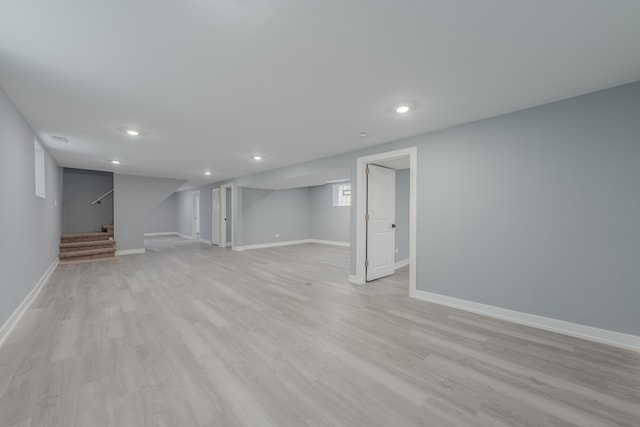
<point x="191" y="335"/>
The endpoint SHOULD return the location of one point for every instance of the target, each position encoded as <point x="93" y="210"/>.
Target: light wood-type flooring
<point x="193" y="335"/>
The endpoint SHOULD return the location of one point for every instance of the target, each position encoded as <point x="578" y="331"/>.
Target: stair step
<point x="85" y="259"/>
<point x="79" y="254"/>
<point x="89" y="244"/>
<point x="108" y="228"/>
<point x="80" y="237"/>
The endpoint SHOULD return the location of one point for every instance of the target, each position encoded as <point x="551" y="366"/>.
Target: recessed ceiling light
<point x="115" y="162"/>
<point x="363" y="134"/>
<point x="256" y="157"/>
<point x="207" y="173"/>
<point x="132" y="132"/>
<point x="401" y="109"/>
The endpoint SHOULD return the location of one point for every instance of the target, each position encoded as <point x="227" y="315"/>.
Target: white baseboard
<point x="401" y="263"/>
<point x="184" y="236"/>
<point x="353" y="279"/>
<point x="15" y="317"/>
<point x="206" y="242"/>
<point x="618" y="339"/>
<point x="288" y="243"/>
<point x="164" y="233"/>
<point x="329" y="242"/>
<point x="270" y="245"/>
<point x="130" y="251"/>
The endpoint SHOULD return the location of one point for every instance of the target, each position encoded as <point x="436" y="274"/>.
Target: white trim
<point x="361" y="241"/>
<point x="185" y="236"/>
<point x="223" y="214"/>
<point x="164" y="233"/>
<point x="130" y="251"/>
<point x="205" y="241"/>
<point x="15" y="317"/>
<point x="289" y="243"/>
<point x="353" y="279"/>
<point x="618" y="339"/>
<point x="270" y="245"/>
<point x="401" y="263"/>
<point x="329" y="242"/>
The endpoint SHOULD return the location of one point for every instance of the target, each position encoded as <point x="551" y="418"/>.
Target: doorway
<point x="195" y="224"/>
<point x="386" y="160"/>
<point x="227" y="213"/>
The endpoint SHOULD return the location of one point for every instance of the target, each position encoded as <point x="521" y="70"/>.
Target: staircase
<point x="88" y="246"/>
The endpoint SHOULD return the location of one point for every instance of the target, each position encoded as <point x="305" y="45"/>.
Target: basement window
<point x="39" y="169"/>
<point x="342" y="194"/>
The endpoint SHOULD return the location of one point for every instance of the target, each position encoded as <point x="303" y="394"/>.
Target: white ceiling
<point x="212" y="82"/>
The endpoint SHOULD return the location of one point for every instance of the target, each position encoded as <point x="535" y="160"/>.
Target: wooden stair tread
<point x="87" y="243"/>
<point x="85" y="237"/>
<point x="87" y="252"/>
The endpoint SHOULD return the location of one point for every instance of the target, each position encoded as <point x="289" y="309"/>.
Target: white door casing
<point x="215" y="217"/>
<point x="195" y="226"/>
<point x="223" y="214"/>
<point x="381" y="214"/>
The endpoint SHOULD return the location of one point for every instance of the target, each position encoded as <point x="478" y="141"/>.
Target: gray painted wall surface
<point x="163" y="218"/>
<point x="30" y="226"/>
<point x="402" y="214"/>
<point x="328" y="222"/>
<point x="271" y="212"/>
<point x="205" y="215"/>
<point x="184" y="201"/>
<point x="81" y="187"/>
<point x="535" y="211"/>
<point x="134" y="198"/>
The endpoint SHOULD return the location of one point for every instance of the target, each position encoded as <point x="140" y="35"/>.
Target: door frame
<point x="195" y="216"/>
<point x="215" y="221"/>
<point x="361" y="207"/>
<point x="223" y="214"/>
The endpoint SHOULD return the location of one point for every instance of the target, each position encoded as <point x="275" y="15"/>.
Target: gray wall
<point x="163" y="218"/>
<point x="30" y="226"/>
<point x="271" y="212"/>
<point x="134" y="198"/>
<point x="81" y="187"/>
<point x="328" y="222"/>
<point x="402" y="215"/>
<point x="184" y="201"/>
<point x="535" y="211"/>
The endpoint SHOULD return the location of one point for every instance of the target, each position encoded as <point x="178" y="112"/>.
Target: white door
<point x="195" y="227"/>
<point x="215" y="217"/>
<point x="381" y="217"/>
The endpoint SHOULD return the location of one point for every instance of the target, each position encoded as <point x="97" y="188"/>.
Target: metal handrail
<point x="101" y="197"/>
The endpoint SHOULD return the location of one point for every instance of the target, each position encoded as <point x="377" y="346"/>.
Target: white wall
<point x="275" y="215"/>
<point x="30" y="226"/>
<point x="164" y="217"/>
<point x="134" y="197"/>
<point x="328" y="222"/>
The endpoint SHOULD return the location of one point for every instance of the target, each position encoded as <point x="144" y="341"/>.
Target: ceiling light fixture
<point x="132" y="132"/>
<point x="401" y="109"/>
<point x="207" y="173"/>
<point x="256" y="157"/>
<point x="115" y="162"/>
<point x="363" y="134"/>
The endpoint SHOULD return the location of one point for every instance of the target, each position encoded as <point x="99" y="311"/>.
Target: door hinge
<point x="366" y="263"/>
<point x="366" y="171"/>
<point x="366" y="217"/>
